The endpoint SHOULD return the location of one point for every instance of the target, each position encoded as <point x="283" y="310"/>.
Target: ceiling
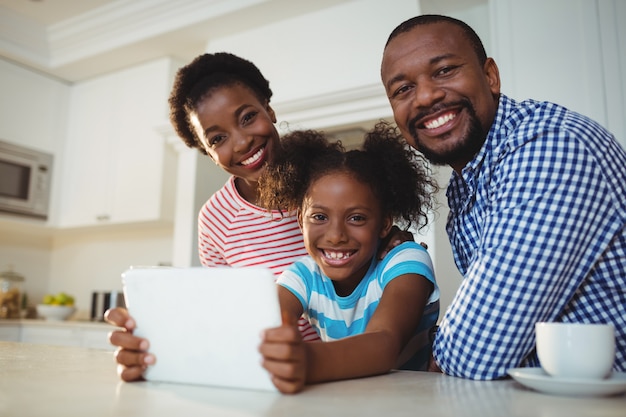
<point x="74" y="40"/>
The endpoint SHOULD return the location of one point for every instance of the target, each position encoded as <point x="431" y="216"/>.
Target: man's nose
<point x="427" y="93"/>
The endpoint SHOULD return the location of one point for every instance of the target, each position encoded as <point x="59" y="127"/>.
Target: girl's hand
<point x="131" y="354"/>
<point x="285" y="358"/>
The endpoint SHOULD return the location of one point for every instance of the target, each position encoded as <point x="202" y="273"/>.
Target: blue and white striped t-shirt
<point x="335" y="317"/>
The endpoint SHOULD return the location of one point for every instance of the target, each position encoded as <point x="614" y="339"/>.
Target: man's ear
<point x="492" y="75"/>
<point x="386" y="227"/>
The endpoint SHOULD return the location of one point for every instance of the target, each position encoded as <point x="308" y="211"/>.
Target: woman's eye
<point x="248" y="117"/>
<point x="215" y="140"/>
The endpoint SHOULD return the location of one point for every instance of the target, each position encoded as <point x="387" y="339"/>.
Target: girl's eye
<point x="357" y="218"/>
<point x="318" y="217"/>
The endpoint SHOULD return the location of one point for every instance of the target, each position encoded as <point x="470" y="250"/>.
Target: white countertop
<point x="51" y="381"/>
<point x="84" y="324"/>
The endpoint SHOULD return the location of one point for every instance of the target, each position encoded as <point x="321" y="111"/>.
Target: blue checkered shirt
<point x="537" y="226"/>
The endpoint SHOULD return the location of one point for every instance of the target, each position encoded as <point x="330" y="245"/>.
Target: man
<point x="537" y="200"/>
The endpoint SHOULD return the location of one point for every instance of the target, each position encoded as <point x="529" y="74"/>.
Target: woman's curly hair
<point x="201" y="76"/>
<point x="398" y="176"/>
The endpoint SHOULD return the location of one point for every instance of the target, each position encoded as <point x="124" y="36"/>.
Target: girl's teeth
<point x="253" y="158"/>
<point x="337" y="255"/>
<point x="439" y="121"/>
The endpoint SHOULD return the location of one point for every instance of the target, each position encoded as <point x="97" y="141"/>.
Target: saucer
<point x="537" y="379"/>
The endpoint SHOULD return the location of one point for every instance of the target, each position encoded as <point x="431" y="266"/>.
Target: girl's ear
<point x="300" y="219"/>
<point x="386" y="227"/>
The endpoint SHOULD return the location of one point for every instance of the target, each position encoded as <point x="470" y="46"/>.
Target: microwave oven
<point x="25" y="180"/>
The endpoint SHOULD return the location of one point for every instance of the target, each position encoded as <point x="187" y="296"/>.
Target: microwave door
<point x="17" y="183"/>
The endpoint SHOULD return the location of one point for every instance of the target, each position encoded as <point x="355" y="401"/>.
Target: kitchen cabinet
<point x="118" y="168"/>
<point x="62" y="333"/>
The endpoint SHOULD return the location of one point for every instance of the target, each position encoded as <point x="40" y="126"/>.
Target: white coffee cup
<point x="576" y="350"/>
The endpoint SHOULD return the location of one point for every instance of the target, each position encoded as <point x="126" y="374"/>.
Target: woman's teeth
<point x="432" y="124"/>
<point x="253" y="158"/>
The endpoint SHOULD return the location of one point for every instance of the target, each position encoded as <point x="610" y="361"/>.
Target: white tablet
<point x="204" y="324"/>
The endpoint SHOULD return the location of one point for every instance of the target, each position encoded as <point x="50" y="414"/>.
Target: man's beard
<point x="464" y="150"/>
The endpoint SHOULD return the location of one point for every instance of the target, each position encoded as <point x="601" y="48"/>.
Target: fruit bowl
<point x="55" y="313"/>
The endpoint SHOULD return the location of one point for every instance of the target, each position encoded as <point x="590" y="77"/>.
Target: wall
<point x="33" y="113"/>
<point x="581" y="62"/>
<point x="85" y="262"/>
<point x="335" y="80"/>
<point x="323" y="69"/>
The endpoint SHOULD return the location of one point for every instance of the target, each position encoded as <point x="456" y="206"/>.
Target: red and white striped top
<point x="233" y="232"/>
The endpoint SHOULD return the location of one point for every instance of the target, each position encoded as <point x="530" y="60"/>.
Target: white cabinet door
<point x="117" y="166"/>
<point x="143" y="163"/>
<point x="88" y="154"/>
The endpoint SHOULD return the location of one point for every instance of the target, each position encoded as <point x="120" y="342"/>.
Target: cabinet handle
<point x="103" y="218"/>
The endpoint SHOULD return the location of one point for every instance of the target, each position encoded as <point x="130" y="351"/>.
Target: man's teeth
<point x="439" y="121"/>
<point x="253" y="158"/>
<point x="337" y="255"/>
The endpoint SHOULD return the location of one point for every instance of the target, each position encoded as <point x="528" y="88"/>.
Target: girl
<point x="375" y="315"/>
<point x="220" y="105"/>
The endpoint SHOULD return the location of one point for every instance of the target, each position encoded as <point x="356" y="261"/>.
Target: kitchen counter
<point x="55" y="381"/>
<point x="63" y="333"/>
<point x="82" y="324"/>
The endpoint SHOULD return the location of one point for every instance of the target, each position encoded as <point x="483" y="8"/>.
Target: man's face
<point x="443" y="100"/>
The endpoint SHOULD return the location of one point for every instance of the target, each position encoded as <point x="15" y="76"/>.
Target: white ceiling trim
<point x="23" y="38"/>
<point x="109" y="27"/>
<point x="338" y="108"/>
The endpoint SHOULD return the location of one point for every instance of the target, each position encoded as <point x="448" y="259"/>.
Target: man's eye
<point x="446" y="70"/>
<point x="399" y="91"/>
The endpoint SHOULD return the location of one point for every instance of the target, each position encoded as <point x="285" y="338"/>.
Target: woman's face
<point x="236" y="130"/>
<point x="342" y="222"/>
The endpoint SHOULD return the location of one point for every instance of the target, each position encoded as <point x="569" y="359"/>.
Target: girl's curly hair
<point x="398" y="175"/>
<point x="201" y="76"/>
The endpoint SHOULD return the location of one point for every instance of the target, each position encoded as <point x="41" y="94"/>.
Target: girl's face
<point x="237" y="131"/>
<point x="342" y="222"/>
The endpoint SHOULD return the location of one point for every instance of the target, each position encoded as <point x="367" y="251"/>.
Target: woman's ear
<point x="386" y="227"/>
<point x="270" y="111"/>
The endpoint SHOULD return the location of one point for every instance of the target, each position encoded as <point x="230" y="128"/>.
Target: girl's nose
<point x="336" y="233"/>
